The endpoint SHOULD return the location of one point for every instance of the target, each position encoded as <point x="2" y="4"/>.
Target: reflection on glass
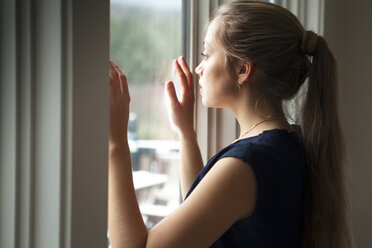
<point x="145" y="38"/>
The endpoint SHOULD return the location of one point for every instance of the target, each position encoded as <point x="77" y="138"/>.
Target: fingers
<point x="186" y="82"/>
<point x="185" y="76"/>
<point x="187" y="73"/>
<point x="123" y="80"/>
<point x="118" y="75"/>
<point x="172" y="94"/>
<point x="119" y="78"/>
<point x="114" y="78"/>
<point x="182" y="76"/>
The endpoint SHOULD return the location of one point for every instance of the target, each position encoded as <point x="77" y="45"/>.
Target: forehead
<point x="211" y="32"/>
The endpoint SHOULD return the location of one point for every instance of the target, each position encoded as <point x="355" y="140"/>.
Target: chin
<point x="208" y="104"/>
<point x="205" y="103"/>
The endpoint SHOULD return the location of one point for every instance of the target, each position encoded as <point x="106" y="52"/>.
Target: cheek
<point x="219" y="82"/>
<point x="213" y="71"/>
<point x="221" y="75"/>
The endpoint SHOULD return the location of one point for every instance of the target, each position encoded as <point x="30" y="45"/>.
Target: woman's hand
<point x="182" y="111"/>
<point x="119" y="105"/>
<point x="125" y="223"/>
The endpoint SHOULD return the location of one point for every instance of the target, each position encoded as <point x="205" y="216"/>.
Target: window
<point x="145" y="37"/>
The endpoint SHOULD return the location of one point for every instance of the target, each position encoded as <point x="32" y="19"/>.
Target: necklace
<point x="255" y="125"/>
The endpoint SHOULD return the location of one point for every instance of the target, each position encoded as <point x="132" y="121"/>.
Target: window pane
<point x="145" y="37"/>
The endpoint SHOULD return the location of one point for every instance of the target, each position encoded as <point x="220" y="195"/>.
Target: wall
<point x="348" y="29"/>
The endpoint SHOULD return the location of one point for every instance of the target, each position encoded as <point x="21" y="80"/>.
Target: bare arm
<point x="225" y="195"/>
<point x="125" y="224"/>
<point x="191" y="161"/>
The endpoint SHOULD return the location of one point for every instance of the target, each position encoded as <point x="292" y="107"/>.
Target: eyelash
<point x="204" y="55"/>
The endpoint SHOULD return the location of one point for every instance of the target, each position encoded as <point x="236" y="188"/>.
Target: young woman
<point x="277" y="185"/>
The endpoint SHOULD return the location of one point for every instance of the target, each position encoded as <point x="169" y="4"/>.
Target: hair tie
<point x="309" y="42"/>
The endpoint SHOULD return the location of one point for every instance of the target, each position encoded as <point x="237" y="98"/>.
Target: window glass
<point x="146" y="36"/>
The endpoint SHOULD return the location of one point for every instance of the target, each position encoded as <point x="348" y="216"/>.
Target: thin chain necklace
<point x="255" y="125"/>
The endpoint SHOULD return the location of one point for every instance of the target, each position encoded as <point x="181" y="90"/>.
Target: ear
<point x="244" y="71"/>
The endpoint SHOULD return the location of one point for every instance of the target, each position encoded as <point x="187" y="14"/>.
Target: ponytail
<point x="326" y="205"/>
<point x="284" y="55"/>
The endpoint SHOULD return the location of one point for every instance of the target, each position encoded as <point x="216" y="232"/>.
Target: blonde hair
<point x="283" y="54"/>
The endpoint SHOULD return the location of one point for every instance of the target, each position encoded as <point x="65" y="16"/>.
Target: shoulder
<point x="231" y="183"/>
<point x="248" y="151"/>
<point x="226" y="195"/>
<point x="270" y="147"/>
<point x="237" y="182"/>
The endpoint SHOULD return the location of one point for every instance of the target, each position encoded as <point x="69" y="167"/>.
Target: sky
<point x="161" y="4"/>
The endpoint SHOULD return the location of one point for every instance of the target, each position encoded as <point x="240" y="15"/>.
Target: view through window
<point x="146" y="36"/>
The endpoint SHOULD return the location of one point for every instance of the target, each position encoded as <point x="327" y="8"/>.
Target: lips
<point x="201" y="87"/>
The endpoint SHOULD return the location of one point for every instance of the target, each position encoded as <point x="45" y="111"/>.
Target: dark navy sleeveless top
<point x="276" y="159"/>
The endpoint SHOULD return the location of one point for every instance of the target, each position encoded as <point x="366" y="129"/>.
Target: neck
<point x="248" y="117"/>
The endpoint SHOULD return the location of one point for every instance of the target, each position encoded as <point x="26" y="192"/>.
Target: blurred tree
<point x="143" y="43"/>
<point x="140" y="39"/>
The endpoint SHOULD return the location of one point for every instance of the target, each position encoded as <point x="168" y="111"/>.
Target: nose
<point x="199" y="69"/>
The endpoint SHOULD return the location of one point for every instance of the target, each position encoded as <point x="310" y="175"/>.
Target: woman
<point x="277" y="185"/>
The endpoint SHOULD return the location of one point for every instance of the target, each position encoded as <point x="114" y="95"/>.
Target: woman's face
<point x="217" y="87"/>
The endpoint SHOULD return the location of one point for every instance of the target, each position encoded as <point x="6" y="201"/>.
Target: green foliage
<point x="142" y="38"/>
<point x="143" y="43"/>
